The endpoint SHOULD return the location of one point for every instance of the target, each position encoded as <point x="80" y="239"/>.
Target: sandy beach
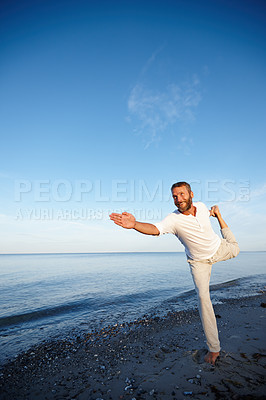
<point x="152" y="358"/>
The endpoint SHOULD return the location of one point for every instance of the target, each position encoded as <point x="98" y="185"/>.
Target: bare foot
<point x="211" y="357"/>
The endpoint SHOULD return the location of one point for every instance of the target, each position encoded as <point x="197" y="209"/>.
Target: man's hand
<point x="125" y="220"/>
<point x="215" y="212"/>
<point x="128" y="221"/>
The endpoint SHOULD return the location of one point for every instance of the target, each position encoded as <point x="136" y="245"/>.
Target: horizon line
<point x="112" y="252"/>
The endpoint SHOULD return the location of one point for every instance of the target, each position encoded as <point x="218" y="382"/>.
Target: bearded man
<point x="190" y="223"/>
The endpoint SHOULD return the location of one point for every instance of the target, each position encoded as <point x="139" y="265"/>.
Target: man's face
<point x="182" y="198"/>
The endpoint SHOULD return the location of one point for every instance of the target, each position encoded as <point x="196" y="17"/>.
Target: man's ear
<point x="192" y="194"/>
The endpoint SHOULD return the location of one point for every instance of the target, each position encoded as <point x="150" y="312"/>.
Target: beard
<point x="186" y="205"/>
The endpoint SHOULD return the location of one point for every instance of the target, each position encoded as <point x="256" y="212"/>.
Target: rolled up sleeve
<point x="166" y="225"/>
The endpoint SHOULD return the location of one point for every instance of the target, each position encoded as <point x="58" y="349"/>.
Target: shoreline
<point x="154" y="358"/>
<point x="184" y="301"/>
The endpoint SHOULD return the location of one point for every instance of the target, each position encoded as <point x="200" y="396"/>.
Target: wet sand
<point x="152" y="358"/>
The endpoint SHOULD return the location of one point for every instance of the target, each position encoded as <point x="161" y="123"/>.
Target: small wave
<point x="87" y="305"/>
<point x="249" y="283"/>
<point x="240" y="287"/>
<point x="36" y="315"/>
<point x="227" y="284"/>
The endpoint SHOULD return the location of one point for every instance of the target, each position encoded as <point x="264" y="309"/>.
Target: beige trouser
<point x="201" y="273"/>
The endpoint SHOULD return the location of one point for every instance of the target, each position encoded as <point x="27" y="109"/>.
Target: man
<point x="190" y="223"/>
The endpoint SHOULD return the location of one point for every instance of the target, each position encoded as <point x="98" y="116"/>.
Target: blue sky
<point x="104" y="104"/>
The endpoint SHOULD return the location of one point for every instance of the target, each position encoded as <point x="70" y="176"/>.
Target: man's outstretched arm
<point x="128" y="221"/>
<point x="215" y="212"/>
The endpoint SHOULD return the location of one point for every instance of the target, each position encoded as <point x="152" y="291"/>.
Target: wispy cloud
<point x="151" y="60"/>
<point x="248" y="219"/>
<point x="259" y="192"/>
<point x="50" y="235"/>
<point x="156" y="113"/>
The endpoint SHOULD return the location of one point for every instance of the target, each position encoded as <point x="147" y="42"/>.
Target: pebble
<point x="188" y="393"/>
<point x="165" y="349"/>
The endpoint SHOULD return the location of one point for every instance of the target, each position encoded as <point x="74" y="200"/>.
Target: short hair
<point x="179" y="184"/>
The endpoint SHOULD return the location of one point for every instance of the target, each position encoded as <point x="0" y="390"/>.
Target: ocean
<point x="49" y="296"/>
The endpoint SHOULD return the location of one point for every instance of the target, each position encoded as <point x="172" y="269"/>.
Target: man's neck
<point x="191" y="211"/>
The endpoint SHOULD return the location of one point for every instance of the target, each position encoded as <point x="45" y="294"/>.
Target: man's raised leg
<point x="229" y="247"/>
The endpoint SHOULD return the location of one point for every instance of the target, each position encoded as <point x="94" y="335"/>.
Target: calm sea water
<point x="44" y="296"/>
